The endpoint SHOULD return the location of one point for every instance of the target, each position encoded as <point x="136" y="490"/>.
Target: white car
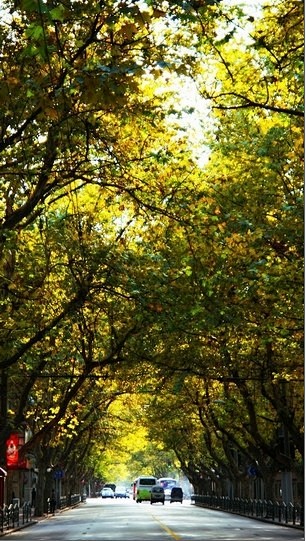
<point x="107" y="493"/>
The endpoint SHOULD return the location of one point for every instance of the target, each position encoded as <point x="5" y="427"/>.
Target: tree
<point x="119" y="253"/>
<point x="241" y="259"/>
<point x="70" y="106"/>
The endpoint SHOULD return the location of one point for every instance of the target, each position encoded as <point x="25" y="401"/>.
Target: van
<point x="157" y="494"/>
<point x="142" y="488"/>
<point x="176" y="495"/>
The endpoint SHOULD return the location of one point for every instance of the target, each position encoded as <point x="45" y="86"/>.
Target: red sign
<point x="12" y="451"/>
<point x="13" y="444"/>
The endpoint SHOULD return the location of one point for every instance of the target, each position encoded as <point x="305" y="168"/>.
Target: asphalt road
<point x="125" y="520"/>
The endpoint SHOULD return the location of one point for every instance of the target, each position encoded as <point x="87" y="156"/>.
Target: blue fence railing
<point x="264" y="509"/>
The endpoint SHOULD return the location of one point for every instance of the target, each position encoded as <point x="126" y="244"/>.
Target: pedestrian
<point x="52" y="502"/>
<point x="33" y="497"/>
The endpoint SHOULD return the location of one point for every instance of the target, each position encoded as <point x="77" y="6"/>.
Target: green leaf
<point x="57" y="14"/>
<point x="34" y="31"/>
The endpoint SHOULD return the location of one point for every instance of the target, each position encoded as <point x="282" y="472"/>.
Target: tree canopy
<point x="151" y="246"/>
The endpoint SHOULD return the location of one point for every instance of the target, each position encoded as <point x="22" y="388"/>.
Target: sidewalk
<point x="25" y="524"/>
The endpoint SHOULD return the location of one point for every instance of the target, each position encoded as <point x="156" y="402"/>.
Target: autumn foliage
<point x="151" y="243"/>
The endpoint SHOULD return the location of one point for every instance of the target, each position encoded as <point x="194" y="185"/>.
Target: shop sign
<point x="13" y="445"/>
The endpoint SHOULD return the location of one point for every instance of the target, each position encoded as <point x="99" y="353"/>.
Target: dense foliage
<point x="151" y="279"/>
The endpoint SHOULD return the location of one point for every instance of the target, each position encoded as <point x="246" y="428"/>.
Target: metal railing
<point x="9" y="516"/>
<point x="26" y="513"/>
<point x="291" y="514"/>
<point x="65" y="501"/>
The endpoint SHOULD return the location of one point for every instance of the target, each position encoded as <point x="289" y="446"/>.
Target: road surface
<point x="125" y="520"/>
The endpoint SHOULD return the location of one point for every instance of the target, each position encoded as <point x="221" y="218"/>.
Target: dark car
<point x="157" y="494"/>
<point x="176" y="495"/>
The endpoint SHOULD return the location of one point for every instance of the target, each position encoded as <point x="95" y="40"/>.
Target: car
<point x="120" y="492"/>
<point x="107" y="493"/>
<point x="176" y="495"/>
<point x="157" y="494"/>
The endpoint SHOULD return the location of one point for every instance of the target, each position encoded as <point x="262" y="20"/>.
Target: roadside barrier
<point x="65" y="501"/>
<point x="26" y="513"/>
<point x="12" y="516"/>
<point x="9" y="516"/>
<point x="291" y="514"/>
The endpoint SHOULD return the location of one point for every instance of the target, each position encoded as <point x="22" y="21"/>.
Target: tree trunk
<point x="45" y="481"/>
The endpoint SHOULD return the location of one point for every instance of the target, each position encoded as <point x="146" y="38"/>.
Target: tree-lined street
<point x="151" y="247"/>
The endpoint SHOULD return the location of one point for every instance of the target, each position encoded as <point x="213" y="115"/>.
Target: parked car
<point x="176" y="495"/>
<point x="107" y="493"/>
<point x="120" y="492"/>
<point x="157" y="494"/>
